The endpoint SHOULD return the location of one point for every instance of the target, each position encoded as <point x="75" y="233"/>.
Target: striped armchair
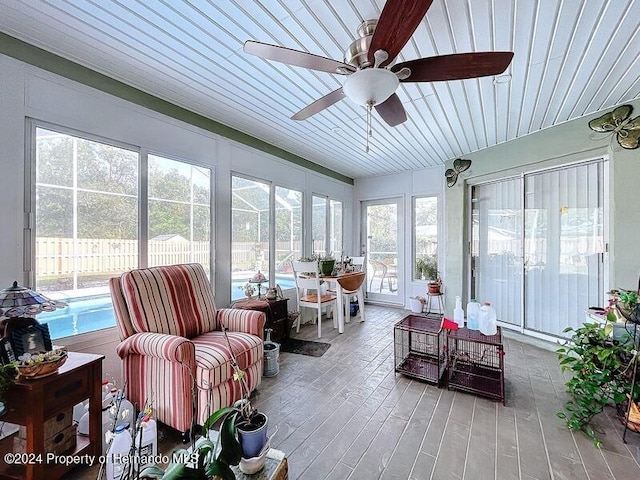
<point x="171" y="338"/>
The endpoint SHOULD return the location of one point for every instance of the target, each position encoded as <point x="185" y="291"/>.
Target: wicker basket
<point x="633" y="422"/>
<point x="42" y="369"/>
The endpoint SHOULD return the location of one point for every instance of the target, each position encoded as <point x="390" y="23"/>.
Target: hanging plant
<point x="600" y="368"/>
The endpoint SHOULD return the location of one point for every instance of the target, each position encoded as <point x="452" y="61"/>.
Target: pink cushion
<point x="213" y="358"/>
<point x="174" y="299"/>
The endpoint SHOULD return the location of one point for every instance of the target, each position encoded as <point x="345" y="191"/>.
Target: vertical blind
<point x="544" y="235"/>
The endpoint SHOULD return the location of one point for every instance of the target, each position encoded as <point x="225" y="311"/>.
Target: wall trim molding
<point x="27" y="53"/>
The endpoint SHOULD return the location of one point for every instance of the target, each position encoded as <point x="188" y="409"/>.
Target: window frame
<point x="30" y="189"/>
<point x="328" y="223"/>
<point x="414" y="253"/>
<point x="272" y="223"/>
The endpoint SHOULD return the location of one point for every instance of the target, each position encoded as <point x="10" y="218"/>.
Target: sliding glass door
<point x="496" y="247"/>
<point x="537" y="246"/>
<point x="564" y="246"/>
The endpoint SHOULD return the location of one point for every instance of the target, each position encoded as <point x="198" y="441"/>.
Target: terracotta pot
<point x="433" y="287"/>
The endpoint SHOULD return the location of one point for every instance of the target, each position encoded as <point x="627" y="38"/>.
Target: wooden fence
<point x="57" y="257"/>
<point x="62" y="256"/>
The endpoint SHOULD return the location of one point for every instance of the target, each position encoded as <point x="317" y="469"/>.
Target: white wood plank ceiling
<point x="572" y="58"/>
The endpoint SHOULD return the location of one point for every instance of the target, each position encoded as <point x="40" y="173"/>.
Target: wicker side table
<point x="275" y="468"/>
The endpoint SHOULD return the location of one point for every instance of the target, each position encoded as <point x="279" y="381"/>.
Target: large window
<point x="88" y="226"/>
<point x="250" y="231"/>
<point x="288" y="206"/>
<point x="335" y="228"/>
<point x="326" y="226"/>
<point x="179" y="213"/>
<point x="425" y="234"/>
<point x="319" y="225"/>
<point x="265" y="218"/>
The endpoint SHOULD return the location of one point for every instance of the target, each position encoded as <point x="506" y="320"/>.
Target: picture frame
<point x="33" y="338"/>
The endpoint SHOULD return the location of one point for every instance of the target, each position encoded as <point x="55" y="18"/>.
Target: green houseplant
<point x="326" y="264"/>
<point x="8" y="374"/>
<point x="430" y="271"/>
<point x="600" y="368"/>
<point x="624" y="303"/>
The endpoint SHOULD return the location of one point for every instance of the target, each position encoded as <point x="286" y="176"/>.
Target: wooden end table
<point x="31" y="402"/>
<point x="277" y="315"/>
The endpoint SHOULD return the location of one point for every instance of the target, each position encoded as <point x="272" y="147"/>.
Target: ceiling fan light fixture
<point x="370" y="86"/>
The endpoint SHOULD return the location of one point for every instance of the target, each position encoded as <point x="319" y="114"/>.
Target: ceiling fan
<point x="369" y="63"/>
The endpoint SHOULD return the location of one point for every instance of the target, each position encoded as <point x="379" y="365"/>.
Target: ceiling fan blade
<point x="398" y="20"/>
<point x="297" y="58"/>
<point x="319" y="105"/>
<point x="392" y="111"/>
<point x="455" y="67"/>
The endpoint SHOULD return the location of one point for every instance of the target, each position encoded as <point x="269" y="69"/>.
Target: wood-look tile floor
<point x="347" y="415"/>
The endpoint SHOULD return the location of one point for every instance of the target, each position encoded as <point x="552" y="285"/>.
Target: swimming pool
<point x="87" y="314"/>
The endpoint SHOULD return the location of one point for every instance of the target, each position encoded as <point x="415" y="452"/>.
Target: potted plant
<point x="326" y="264"/>
<point x="430" y="271"/>
<point x="417" y="303"/>
<point x="626" y="303"/>
<point x="600" y="367"/>
<point x="7" y="378"/>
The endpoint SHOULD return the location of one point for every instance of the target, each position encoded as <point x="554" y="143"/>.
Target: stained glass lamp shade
<point x="17" y="301"/>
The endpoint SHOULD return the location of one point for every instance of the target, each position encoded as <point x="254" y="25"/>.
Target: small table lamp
<point x="259" y="279"/>
<point x="19" y="305"/>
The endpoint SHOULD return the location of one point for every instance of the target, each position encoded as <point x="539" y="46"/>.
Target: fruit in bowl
<point x="38" y="365"/>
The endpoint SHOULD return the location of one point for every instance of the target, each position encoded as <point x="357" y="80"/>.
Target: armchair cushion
<point x="158" y="345"/>
<point x="214" y="359"/>
<point x="238" y="320"/>
<point x="175" y="300"/>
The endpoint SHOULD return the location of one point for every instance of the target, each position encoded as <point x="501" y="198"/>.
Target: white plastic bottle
<point x="126" y="412"/>
<point x="107" y="426"/>
<point x="79" y="410"/>
<point x="473" y="312"/>
<point x="488" y="319"/>
<point x="106" y="387"/>
<point x="147" y="443"/>
<point x="118" y="450"/>
<point x="458" y="313"/>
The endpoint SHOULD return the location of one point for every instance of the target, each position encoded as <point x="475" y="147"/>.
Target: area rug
<point x="304" y="347"/>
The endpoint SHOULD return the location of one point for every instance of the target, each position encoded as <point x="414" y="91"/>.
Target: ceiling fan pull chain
<point x="369" y="131"/>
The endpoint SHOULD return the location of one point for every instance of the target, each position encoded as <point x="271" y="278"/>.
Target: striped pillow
<point x="173" y="299"/>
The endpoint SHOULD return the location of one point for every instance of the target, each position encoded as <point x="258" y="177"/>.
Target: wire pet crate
<point x="419" y="347"/>
<point x="476" y="363"/>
